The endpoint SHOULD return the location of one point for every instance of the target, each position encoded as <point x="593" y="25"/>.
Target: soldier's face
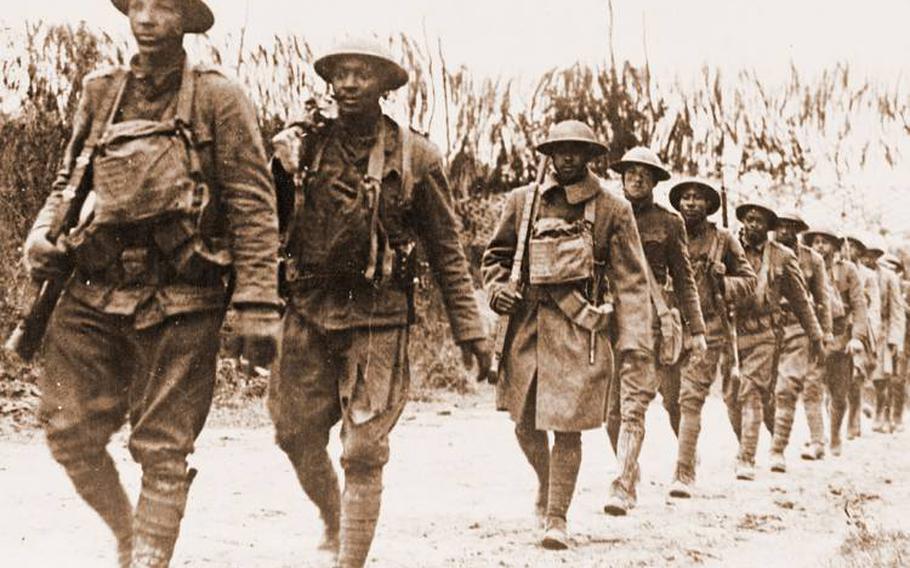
<point x="786" y="232"/>
<point x="870" y="259"/>
<point x="157" y="25"/>
<point x="693" y="205"/>
<point x="570" y="161"/>
<point x="357" y="86"/>
<point x="756" y="224"/>
<point x="638" y="181"/>
<point x="823" y="246"/>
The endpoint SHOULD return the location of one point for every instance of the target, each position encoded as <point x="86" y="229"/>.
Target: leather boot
<point x="360" y="505"/>
<point x="623" y="494"/>
<point x="159" y="513"/>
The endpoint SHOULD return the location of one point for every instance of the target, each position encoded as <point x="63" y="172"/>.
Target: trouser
<point x="669" y="389"/>
<point x="360" y="377"/>
<point x="898" y="387"/>
<point x="855" y="395"/>
<point x="98" y="370"/>
<point x="744" y="397"/>
<point x="556" y="469"/>
<point x="695" y="384"/>
<point x="838" y="377"/>
<point x="813" y="396"/>
<point x="793" y="370"/>
<point x="629" y="398"/>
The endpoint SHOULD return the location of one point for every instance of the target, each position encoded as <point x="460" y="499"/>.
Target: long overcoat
<point x="545" y="344"/>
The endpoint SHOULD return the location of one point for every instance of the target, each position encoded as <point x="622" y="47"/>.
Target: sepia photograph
<point x="486" y="283"/>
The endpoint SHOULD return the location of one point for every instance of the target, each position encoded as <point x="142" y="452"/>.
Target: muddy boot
<point x="360" y="504"/>
<point x="751" y="427"/>
<point x="813" y="451"/>
<point x="622" y="491"/>
<point x="556" y="536"/>
<point x="689" y="429"/>
<point x="97" y="481"/>
<point x="159" y="513"/>
<point x="783" y="424"/>
<point x="536" y="448"/>
<point x="564" y="465"/>
<point x="319" y="481"/>
<point x="898" y="400"/>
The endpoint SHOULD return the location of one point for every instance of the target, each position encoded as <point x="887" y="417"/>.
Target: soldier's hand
<point x="507" y="301"/>
<point x="288" y="148"/>
<point x="43" y="259"/>
<point x="855" y="347"/>
<point x="698" y="348"/>
<point x="258" y="329"/>
<point x="479" y="350"/>
<point x="817" y="350"/>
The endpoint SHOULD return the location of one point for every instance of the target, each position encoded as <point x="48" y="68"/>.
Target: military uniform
<point x="890" y="344"/>
<point x="136" y="331"/>
<point x="797" y="371"/>
<point x="865" y="365"/>
<point x="663" y="237"/>
<point x="899" y="382"/>
<point x="709" y="244"/>
<point x="758" y="320"/>
<point x="548" y="381"/>
<point x="849" y="322"/>
<point x="367" y="197"/>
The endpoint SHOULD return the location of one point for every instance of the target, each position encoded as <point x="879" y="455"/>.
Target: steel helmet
<point x="892" y="262"/>
<point x="875" y="243"/>
<point x="823" y="231"/>
<point x="391" y="71"/>
<point x="711" y="194"/>
<point x="573" y="131"/>
<point x="643" y="156"/>
<point x="793" y="216"/>
<point x="764" y="208"/>
<point x="197" y="16"/>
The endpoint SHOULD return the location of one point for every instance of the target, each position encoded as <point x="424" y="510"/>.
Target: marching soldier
<point x="558" y="359"/>
<point x="865" y="255"/>
<point x="899" y="385"/>
<point x="796" y="370"/>
<point x="724" y="277"/>
<point x="370" y="190"/>
<point x="136" y="332"/>
<point x="849" y="324"/>
<point x="759" y="317"/>
<point x="671" y="280"/>
<point x="891" y="342"/>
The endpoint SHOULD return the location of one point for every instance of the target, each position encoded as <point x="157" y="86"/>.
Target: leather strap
<point x="657" y="294"/>
<point x="373" y="182"/>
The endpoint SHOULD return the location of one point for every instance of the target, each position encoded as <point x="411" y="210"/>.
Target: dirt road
<point x="458" y="493"/>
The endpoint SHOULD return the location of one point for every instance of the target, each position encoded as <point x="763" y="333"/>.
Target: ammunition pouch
<point x="404" y="275"/>
<point x="573" y="304"/>
<point x="560" y="253"/>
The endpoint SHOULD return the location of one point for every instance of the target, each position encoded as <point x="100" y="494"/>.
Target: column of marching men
<point x="605" y="298"/>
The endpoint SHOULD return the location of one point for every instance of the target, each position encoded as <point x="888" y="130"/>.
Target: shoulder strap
<point x="764" y="272"/>
<point x="375" y="168"/>
<point x="657" y="294"/>
<point x="186" y="94"/>
<point x="716" y="250"/>
<point x="527" y="214"/>
<point x="407" y="176"/>
<point x="110" y="104"/>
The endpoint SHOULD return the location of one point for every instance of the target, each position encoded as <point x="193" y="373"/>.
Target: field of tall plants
<point x="807" y="140"/>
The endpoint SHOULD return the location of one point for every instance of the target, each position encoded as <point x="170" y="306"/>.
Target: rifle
<point x="514" y="283"/>
<point x="26" y="338"/>
<point x="728" y="316"/>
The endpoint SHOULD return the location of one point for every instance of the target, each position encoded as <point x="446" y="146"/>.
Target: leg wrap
<point x="564" y="465"/>
<point x="97" y="481"/>
<point x="812" y="402"/>
<point x="359" y="513"/>
<point x="158" y="516"/>
<point x="898" y="400"/>
<point x="689" y="429"/>
<point x="785" y="410"/>
<point x="536" y="448"/>
<point x="630" y="440"/>
<point x="320" y="483"/>
<point x="751" y="427"/>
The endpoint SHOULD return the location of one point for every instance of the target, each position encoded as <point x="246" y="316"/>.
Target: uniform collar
<point x="700" y="229"/>
<point x="155" y="80"/>
<point x="576" y="193"/>
<point x="641" y="205"/>
<point x="392" y="144"/>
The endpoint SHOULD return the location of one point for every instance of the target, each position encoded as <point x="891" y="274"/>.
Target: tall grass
<point x="817" y="133"/>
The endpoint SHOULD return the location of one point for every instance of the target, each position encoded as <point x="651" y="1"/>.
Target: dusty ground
<point x="458" y="493"/>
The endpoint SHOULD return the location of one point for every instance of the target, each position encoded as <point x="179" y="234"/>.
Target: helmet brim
<point x="197" y="16"/>
<point x="803" y="227"/>
<point x="620" y="167"/>
<point x="745" y="207"/>
<point x="394" y="75"/>
<point x="595" y="149"/>
<point x="713" y="197"/>
<point x="810" y="235"/>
